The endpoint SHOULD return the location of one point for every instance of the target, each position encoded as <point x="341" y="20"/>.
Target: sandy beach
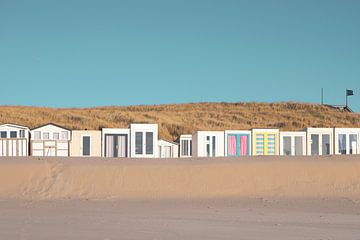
<point x="248" y="198"/>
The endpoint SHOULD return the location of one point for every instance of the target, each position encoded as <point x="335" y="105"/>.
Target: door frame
<point x="117" y="135"/>
<point x="238" y="144"/>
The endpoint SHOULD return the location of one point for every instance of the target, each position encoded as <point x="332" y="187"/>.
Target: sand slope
<point x="98" y="178"/>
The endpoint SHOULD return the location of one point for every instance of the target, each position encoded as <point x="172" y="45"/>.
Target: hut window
<point x="190" y="153"/>
<point x="56" y="136"/>
<point x="184" y="148"/>
<point x="260" y="144"/>
<point x="149" y="143"/>
<point x="298" y="145"/>
<point x="208" y="149"/>
<point x="271" y="144"/>
<point x="287" y="146"/>
<point x="325" y="144"/>
<point x="213" y="146"/>
<point x="342" y="143"/>
<point x="13" y="134"/>
<point x="353" y="144"/>
<point x="22" y="133"/>
<point x="138" y="143"/>
<point x="64" y="135"/>
<point x="46" y="135"/>
<point x="3" y="134"/>
<point x="37" y="135"/>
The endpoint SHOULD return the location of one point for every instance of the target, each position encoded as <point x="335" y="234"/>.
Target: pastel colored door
<point x="238" y="144"/>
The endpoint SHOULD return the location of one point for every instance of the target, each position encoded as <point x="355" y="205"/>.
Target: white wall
<point x="174" y="148"/>
<point x="347" y="132"/>
<point x="320" y="132"/>
<point x="143" y="128"/>
<point x="200" y="143"/>
<point x="293" y="146"/>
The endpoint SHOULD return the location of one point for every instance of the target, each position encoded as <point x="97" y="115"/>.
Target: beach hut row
<point x="140" y="140"/>
<point x="259" y="142"/>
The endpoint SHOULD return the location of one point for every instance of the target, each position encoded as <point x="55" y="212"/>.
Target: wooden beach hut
<point x="143" y="140"/>
<point x="185" y="145"/>
<point x="208" y="144"/>
<point x="347" y="140"/>
<point x="85" y="143"/>
<point x="14" y="140"/>
<point x="319" y="141"/>
<point x="115" y="142"/>
<point x="50" y="140"/>
<point x="167" y="149"/>
<point x="293" y="143"/>
<point x="265" y="141"/>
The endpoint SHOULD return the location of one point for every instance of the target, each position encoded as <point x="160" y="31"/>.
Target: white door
<point x="167" y="151"/>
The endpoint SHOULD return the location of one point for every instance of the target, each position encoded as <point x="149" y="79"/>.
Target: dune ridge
<point x="176" y="119"/>
<point x="96" y="178"/>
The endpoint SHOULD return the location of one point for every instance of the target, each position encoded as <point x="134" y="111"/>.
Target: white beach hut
<point x="265" y="141"/>
<point x="319" y="141"/>
<point x="85" y="143"/>
<point x="14" y="140"/>
<point x="347" y="140"/>
<point x="167" y="149"/>
<point x="208" y="144"/>
<point x="237" y="143"/>
<point x="185" y="144"/>
<point x="143" y="140"/>
<point x="115" y="142"/>
<point x="293" y="143"/>
<point x="50" y="140"/>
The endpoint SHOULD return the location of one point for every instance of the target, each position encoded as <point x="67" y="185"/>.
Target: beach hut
<point x="208" y="144"/>
<point x="185" y="144"/>
<point x="319" y="141"/>
<point x="14" y="140"/>
<point x="293" y="143"/>
<point x="50" y="140"/>
<point x="115" y="142"/>
<point x="167" y="149"/>
<point x="85" y="143"/>
<point x="265" y="141"/>
<point x="347" y="140"/>
<point x="143" y="140"/>
<point x="237" y="143"/>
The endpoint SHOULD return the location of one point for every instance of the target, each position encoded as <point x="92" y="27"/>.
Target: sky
<point x="75" y="53"/>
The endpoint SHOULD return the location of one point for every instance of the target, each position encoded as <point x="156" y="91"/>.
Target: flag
<point x="349" y="92"/>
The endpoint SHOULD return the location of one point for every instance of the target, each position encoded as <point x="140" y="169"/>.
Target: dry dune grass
<point x="175" y="119"/>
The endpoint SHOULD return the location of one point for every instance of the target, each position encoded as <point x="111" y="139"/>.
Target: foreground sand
<point x="248" y="198"/>
<point x="284" y="219"/>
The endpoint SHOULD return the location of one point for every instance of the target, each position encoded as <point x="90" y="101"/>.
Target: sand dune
<point x="98" y="178"/>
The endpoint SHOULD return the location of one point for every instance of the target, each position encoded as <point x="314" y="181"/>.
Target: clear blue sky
<point x="72" y="53"/>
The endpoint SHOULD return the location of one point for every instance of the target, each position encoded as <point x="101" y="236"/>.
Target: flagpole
<point x="346" y="97"/>
<point x="322" y="96"/>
